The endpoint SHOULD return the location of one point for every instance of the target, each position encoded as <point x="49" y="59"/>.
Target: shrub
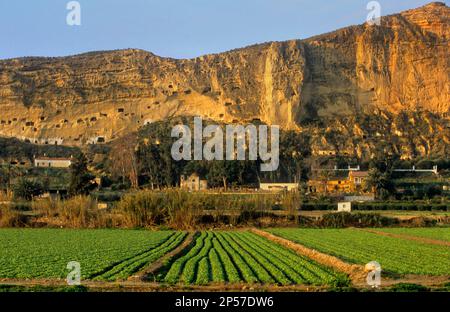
<point x="21" y="206"/>
<point x="420" y="222"/>
<point x="146" y="208"/>
<point x="373" y="220"/>
<point x="248" y="215"/>
<point x="291" y="202"/>
<point x="303" y="221"/>
<point x="11" y="218"/>
<point x="106" y="181"/>
<point x="120" y="186"/>
<point x="107" y="196"/>
<point x="183" y="210"/>
<point x="347" y="219"/>
<point x="27" y="189"/>
<point x="311" y="206"/>
<point x="6" y="196"/>
<point x="408" y="287"/>
<point x="76" y="212"/>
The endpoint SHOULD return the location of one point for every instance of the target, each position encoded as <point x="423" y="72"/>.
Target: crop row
<point x="129" y="266"/>
<point x="442" y="234"/>
<point x="44" y="253"/>
<point x="234" y="257"/>
<point x="395" y="255"/>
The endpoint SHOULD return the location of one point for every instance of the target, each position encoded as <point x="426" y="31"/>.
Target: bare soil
<point x="424" y="280"/>
<point x="142" y="286"/>
<point x="354" y="271"/>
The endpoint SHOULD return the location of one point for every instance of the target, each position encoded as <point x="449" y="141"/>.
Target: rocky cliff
<point x="401" y="65"/>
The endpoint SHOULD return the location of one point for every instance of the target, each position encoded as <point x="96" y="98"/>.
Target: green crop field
<point x="235" y="257"/>
<point x="395" y="255"/>
<point x="215" y="257"/>
<point x="102" y="254"/>
<point x="442" y="234"/>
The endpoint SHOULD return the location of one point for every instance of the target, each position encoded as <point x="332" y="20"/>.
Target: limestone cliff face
<point x="408" y="135"/>
<point x="401" y="65"/>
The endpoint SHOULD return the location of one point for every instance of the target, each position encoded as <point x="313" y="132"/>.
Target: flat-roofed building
<point x="52" y="162"/>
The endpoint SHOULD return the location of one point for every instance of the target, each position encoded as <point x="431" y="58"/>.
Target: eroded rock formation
<point x="402" y="65"/>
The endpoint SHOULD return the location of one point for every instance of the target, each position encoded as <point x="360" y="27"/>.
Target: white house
<point x="49" y="162"/>
<point x="193" y="183"/>
<point x="345" y="207"/>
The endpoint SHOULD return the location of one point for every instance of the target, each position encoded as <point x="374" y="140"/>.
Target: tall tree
<point x="81" y="181"/>
<point x="155" y="161"/>
<point x="123" y="160"/>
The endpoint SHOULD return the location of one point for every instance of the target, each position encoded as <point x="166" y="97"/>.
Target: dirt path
<point x="148" y="274"/>
<point x="424" y="280"/>
<point x="355" y="272"/>
<point x="142" y="286"/>
<point x="409" y="237"/>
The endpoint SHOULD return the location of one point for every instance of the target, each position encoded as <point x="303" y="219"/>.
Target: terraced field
<point x="395" y="255"/>
<point x="244" y="257"/>
<point x="442" y="234"/>
<point x="103" y="254"/>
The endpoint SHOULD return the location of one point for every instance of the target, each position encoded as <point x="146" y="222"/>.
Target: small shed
<point x="344" y="207"/>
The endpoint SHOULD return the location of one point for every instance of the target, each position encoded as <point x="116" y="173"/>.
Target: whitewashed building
<point x="345" y="207"/>
<point x="49" y="162"/>
<point x="193" y="183"/>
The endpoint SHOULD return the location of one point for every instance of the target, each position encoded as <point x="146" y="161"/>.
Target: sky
<point x="173" y="28"/>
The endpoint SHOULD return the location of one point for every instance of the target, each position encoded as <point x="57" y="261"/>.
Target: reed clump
<point x="75" y="212"/>
<point x="185" y="210"/>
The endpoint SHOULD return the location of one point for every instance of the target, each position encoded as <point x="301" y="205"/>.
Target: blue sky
<point x="172" y="28"/>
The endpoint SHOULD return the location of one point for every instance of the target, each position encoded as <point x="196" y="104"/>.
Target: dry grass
<point x="11" y="218"/>
<point x="184" y="210"/>
<point x="174" y="208"/>
<point x="76" y="212"/>
<point x="6" y="196"/>
<point x="290" y="201"/>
